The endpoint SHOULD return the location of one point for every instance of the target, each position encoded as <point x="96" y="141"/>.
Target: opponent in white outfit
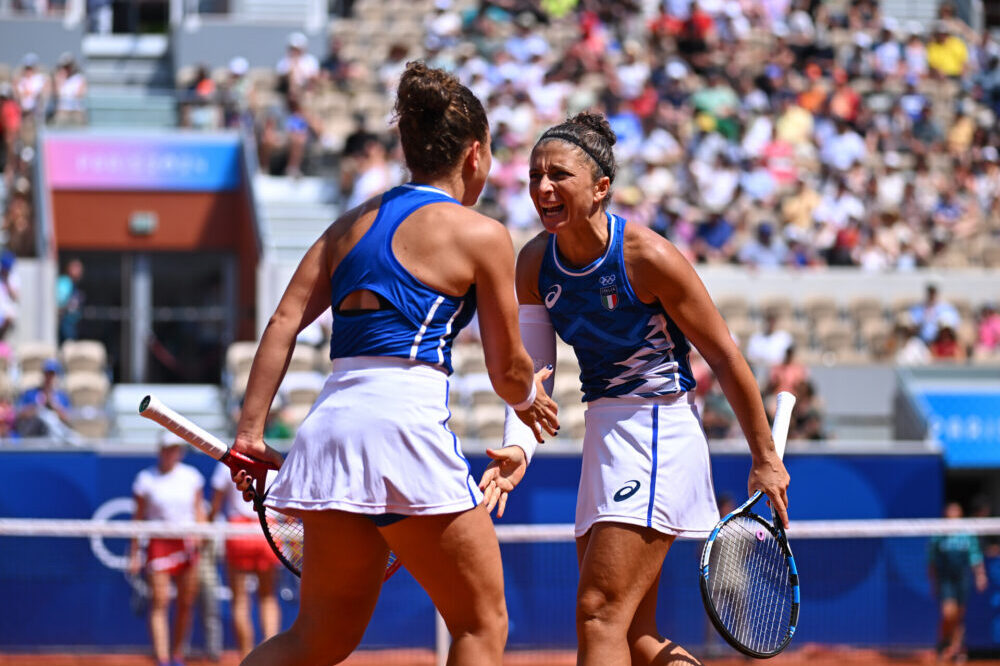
<point x="628" y="302"/>
<point x="169" y="491"/>
<point x="374" y="465"/>
<point x="246" y="557"/>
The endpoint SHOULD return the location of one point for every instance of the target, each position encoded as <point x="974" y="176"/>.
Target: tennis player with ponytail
<point x="374" y="466"/>
<point x="627" y="302"/>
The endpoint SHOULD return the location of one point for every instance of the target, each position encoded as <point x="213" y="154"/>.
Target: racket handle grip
<point x="785" y="401"/>
<point x="254" y="467"/>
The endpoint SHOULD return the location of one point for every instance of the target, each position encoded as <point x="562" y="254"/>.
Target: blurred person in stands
<point x="70" y="299"/>
<point x="764" y="251"/>
<point x="946" y="345"/>
<point x="30" y="86"/>
<point x="375" y="173"/>
<point x="769" y="346"/>
<point x="18" y="222"/>
<point x="932" y="313"/>
<point x="248" y="558"/>
<point x="10" y="286"/>
<point x="100" y="15"/>
<point x="70" y="88"/>
<point x="44" y="411"/>
<point x="786" y="375"/>
<point x="299" y="128"/>
<point x="10" y="129"/>
<point x="807" y="415"/>
<point x="952" y="558"/>
<point x="298" y="69"/>
<point x="988" y="329"/>
<point x="947" y="54"/>
<point x="910" y="348"/>
<point x="170" y="491"/>
<point x="236" y="95"/>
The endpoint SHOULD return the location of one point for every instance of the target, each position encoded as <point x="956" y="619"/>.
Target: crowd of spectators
<point x="761" y="134"/>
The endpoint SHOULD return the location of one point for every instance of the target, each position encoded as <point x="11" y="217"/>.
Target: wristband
<point x="527" y="402"/>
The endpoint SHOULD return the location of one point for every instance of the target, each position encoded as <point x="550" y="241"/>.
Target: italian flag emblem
<point x="609" y="297"/>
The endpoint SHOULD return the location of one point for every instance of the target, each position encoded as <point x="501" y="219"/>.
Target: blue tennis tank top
<point x="422" y="322"/>
<point x="625" y="347"/>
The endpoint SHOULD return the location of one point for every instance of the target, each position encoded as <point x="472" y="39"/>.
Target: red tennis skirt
<point x="249" y="553"/>
<point x="171" y="556"/>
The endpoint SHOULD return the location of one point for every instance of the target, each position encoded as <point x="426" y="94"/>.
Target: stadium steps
<point x="292" y="213"/>
<point x="129" y="81"/>
<point x="125" y="107"/>
<point x="202" y="403"/>
<point x="922" y="11"/>
<point x="271" y="10"/>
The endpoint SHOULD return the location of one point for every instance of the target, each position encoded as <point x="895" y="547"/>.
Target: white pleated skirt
<point x="646" y="463"/>
<point x="377" y="441"/>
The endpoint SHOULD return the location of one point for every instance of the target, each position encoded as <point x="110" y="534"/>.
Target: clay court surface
<point x="819" y="656"/>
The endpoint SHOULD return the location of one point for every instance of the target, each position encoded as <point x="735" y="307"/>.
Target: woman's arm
<point x="307" y="295"/>
<point x="659" y="272"/>
<point x="509" y="366"/>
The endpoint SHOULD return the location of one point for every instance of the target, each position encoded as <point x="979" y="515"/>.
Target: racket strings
<point x="287" y="535"/>
<point x="749" y="584"/>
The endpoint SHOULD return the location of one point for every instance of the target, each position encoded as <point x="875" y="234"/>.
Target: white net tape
<point x="545" y="533"/>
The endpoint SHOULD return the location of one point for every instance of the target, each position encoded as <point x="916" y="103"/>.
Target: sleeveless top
<point x="626" y="348"/>
<point x="418" y="322"/>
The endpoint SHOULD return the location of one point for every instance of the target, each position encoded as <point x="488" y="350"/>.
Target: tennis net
<point x="865" y="586"/>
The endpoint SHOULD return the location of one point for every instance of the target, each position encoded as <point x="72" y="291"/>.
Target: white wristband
<point x="527" y="402"/>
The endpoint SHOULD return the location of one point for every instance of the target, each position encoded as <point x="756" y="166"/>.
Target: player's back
<point x="409" y="257"/>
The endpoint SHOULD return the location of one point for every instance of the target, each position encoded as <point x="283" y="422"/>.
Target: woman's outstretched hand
<point x="502" y="476"/>
<point x="542" y="415"/>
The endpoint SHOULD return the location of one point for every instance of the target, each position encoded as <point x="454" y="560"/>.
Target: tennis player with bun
<point x="246" y="557"/>
<point x="374" y="466"/>
<point x="628" y="302"/>
<point x="169" y="491"/>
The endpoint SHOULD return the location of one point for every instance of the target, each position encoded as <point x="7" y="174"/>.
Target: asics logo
<point x="554" y="293"/>
<point x="607" y="280"/>
<point x="630" y="488"/>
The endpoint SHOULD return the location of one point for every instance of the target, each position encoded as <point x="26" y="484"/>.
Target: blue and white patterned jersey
<point x="625" y="347"/>
<point x="421" y="323"/>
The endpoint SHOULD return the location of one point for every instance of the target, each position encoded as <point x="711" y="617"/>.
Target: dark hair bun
<point x="425" y="90"/>
<point x="597" y="123"/>
<point x="437" y="118"/>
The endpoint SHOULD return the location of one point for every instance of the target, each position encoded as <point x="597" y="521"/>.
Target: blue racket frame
<point x="778" y="533"/>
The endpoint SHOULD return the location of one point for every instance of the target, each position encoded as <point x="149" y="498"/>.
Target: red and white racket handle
<point x="152" y="408"/>
<point x="236" y="461"/>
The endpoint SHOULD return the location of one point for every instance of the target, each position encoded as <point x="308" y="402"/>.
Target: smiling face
<point x="562" y="185"/>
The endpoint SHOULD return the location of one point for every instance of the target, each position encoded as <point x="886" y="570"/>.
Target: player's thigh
<point x="619" y="565"/>
<point x="238" y="581"/>
<point x="456" y="558"/>
<point x="343" y="567"/>
<point x="186" y="582"/>
<point x="159" y="588"/>
<point x="267" y="582"/>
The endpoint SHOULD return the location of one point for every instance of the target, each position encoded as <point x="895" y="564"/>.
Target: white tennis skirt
<point x="646" y="463"/>
<point x="377" y="441"/>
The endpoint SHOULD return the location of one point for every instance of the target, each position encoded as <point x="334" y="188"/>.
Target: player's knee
<point x="595" y="612"/>
<point x="488" y="623"/>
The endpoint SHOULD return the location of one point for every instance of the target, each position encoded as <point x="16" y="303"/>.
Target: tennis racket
<point x="749" y="582"/>
<point x="284" y="534"/>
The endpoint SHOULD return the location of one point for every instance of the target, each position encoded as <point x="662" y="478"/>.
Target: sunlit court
<point x="481" y="332"/>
